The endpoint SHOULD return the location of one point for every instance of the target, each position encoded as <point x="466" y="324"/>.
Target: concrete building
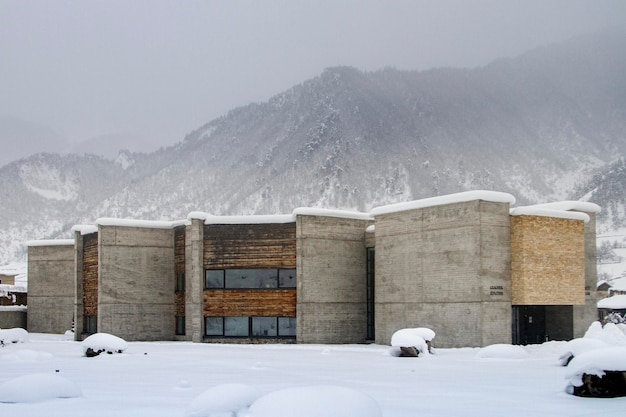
<point x="50" y="286"/>
<point x="464" y="265"/>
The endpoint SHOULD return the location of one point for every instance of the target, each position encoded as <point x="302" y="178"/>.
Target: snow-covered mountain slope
<point x="539" y="126"/>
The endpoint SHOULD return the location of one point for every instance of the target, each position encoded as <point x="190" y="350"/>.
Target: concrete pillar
<point x="194" y="280"/>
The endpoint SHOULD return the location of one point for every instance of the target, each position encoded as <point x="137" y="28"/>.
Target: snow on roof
<point x="84" y="229"/>
<point x="50" y="242"/>
<point x="616" y="302"/>
<point x="344" y="214"/>
<point x="152" y="224"/>
<point x="573" y="205"/>
<point x="492" y="196"/>
<point x="242" y="219"/>
<point x="548" y="212"/>
<point x="370" y="229"/>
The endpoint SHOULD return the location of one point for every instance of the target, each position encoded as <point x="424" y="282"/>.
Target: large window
<point x="249" y="278"/>
<point x="180" y="325"/>
<point x="180" y="282"/>
<point x="90" y="324"/>
<point x="257" y="327"/>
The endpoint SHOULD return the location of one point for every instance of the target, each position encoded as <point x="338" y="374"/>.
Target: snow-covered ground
<point x="170" y="378"/>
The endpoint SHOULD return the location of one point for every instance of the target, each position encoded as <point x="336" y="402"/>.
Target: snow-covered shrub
<point x="314" y="401"/>
<point x="577" y="346"/>
<point x="103" y="342"/>
<point x="36" y="388"/>
<point x="502" y="351"/>
<point x="222" y="400"/>
<point x="416" y="340"/>
<point x="15" y="335"/>
<point x="598" y="373"/>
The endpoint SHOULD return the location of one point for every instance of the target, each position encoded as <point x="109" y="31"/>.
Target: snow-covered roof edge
<point x="572" y="205"/>
<point x="84" y="229"/>
<point x="344" y="214"/>
<point x="50" y="242"/>
<point x="484" y="195"/>
<point x="242" y="219"/>
<point x="150" y="224"/>
<point x="546" y="212"/>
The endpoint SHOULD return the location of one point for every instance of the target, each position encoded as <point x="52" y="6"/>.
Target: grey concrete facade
<point x="588" y="313"/>
<point x="136" y="282"/>
<point x="50" y="286"/>
<point x="331" y="267"/>
<point x="14" y="317"/>
<point x="445" y="267"/>
<point x="194" y="281"/>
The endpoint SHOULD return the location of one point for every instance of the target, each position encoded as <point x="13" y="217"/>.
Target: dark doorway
<point x="370" y="293"/>
<point x="539" y="323"/>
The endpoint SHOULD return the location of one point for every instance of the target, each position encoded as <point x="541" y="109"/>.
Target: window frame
<point x="250" y="333"/>
<point x="280" y="272"/>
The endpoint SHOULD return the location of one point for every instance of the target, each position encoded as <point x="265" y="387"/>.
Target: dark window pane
<point x="287" y="326"/>
<point x="251" y="278"/>
<point x="287" y="278"/>
<point x="213" y="326"/>
<point x="180" y="282"/>
<point x="214" y="278"/>
<point x="180" y="325"/>
<point x="264" y="327"/>
<point x="236" y="326"/>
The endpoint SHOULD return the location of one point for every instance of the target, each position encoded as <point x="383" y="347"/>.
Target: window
<point x="214" y="278"/>
<point x="180" y="282"/>
<point x="90" y="324"/>
<point x="249" y="278"/>
<point x="257" y="327"/>
<point x="180" y="325"/>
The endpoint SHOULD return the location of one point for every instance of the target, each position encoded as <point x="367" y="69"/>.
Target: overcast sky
<point x="163" y="68"/>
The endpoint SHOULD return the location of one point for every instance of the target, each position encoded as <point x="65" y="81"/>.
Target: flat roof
<point x="50" y="242"/>
<point x="546" y="212"/>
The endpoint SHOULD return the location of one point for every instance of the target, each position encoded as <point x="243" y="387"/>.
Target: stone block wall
<point x="136" y="288"/>
<point x="331" y="289"/>
<point x="548" y="261"/>
<point x="445" y="267"/>
<point x="50" y="287"/>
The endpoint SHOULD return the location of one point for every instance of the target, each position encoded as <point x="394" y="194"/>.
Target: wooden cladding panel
<point x="250" y="246"/>
<point x="250" y="303"/>
<point x="90" y="274"/>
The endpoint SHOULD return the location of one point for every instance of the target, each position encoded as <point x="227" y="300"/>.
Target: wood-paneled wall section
<point x="250" y="303"/>
<point x="90" y="274"/>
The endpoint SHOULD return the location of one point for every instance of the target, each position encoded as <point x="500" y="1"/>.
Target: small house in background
<point x="465" y="265"/>
<point x="13" y="296"/>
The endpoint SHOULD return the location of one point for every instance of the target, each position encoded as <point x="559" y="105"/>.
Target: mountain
<point x="541" y="126"/>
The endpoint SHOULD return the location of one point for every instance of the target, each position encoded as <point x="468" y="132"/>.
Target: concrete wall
<point x="50" y="288"/>
<point x="446" y="268"/>
<point x="331" y="289"/>
<point x="586" y="314"/>
<point x="13" y="317"/>
<point x="548" y="261"/>
<point x="136" y="282"/>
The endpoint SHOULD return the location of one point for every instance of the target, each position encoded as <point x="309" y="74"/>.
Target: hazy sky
<point x="164" y="68"/>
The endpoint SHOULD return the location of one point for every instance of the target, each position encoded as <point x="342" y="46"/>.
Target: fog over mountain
<point x="547" y="125"/>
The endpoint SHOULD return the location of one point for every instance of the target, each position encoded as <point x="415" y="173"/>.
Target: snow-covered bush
<point x="15" y="335"/>
<point x="222" y="400"/>
<point x="314" y="401"/>
<point x="577" y="346"/>
<point x="502" y="351"/>
<point x="417" y="339"/>
<point x="103" y="342"/>
<point x="598" y="373"/>
<point x="34" y="388"/>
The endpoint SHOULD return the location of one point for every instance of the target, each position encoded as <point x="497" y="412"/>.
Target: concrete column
<point x="586" y="314"/>
<point x="194" y="280"/>
<point x="78" y="285"/>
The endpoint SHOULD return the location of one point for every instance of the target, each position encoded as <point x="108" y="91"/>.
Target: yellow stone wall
<point x="547" y="261"/>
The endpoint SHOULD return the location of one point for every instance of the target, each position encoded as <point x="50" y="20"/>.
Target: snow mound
<point x="34" y="388"/>
<point x="26" y="356"/>
<point x="314" y="401"/>
<point x="103" y="342"/>
<point x="14" y="335"/>
<point x="610" y="333"/>
<point x="577" y="346"/>
<point x="222" y="400"/>
<point x="595" y="362"/>
<point x="502" y="351"/>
